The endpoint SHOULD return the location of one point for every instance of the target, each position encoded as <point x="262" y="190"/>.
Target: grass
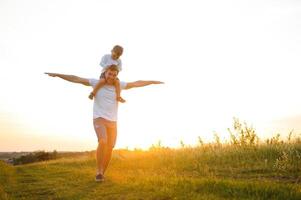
<point x="241" y="169"/>
<point x="206" y="172"/>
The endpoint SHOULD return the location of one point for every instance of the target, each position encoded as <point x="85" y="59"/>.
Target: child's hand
<point x="91" y="96"/>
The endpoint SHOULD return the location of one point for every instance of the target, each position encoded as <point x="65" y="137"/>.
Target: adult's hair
<point x="111" y="68"/>
<point x="118" y="50"/>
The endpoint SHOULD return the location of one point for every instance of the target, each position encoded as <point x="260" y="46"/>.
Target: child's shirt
<point x="107" y="61"/>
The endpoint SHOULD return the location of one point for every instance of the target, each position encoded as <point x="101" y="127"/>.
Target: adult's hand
<point x="51" y="74"/>
<point x="141" y="84"/>
<point x="70" y="78"/>
<point x="158" y="82"/>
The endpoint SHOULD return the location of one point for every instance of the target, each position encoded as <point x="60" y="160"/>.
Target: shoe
<point x="99" y="178"/>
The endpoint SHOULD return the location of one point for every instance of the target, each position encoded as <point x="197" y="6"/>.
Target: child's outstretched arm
<point x="100" y="84"/>
<point x="117" y="89"/>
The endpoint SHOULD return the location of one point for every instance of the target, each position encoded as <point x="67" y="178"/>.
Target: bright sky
<point x="219" y="59"/>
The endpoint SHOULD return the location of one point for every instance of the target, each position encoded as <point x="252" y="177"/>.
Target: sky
<point x="219" y="59"/>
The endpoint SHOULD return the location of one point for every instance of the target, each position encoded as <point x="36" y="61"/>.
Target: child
<point x="106" y="61"/>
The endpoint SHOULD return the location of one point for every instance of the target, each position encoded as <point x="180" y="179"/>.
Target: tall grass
<point x="243" y="156"/>
<point x="243" y="168"/>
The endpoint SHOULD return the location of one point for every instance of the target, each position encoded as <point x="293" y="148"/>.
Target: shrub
<point x="35" y="157"/>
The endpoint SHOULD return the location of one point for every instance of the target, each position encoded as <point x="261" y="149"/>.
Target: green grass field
<point x="241" y="169"/>
<point x="205" y="172"/>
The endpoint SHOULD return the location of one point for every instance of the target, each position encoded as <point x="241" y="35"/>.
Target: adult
<point x="105" y="110"/>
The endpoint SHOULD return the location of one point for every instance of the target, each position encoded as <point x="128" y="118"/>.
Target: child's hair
<point x="118" y="50"/>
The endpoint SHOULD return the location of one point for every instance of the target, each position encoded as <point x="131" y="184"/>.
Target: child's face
<point x="115" y="55"/>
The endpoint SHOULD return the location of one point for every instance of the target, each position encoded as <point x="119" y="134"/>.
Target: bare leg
<point x="107" y="158"/>
<point x="100" y="84"/>
<point x="117" y="88"/>
<point x="100" y="156"/>
<point x="112" y="136"/>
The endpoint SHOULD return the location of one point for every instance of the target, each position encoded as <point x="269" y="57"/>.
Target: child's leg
<point x="117" y="88"/>
<point x="100" y="84"/>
